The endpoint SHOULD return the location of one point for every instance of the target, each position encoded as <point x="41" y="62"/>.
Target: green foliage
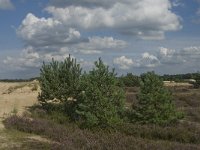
<point x="60" y="81"/>
<point x="93" y="98"/>
<point x="101" y="101"/>
<point x="197" y="84"/>
<point x="130" y="80"/>
<point x="181" y="77"/>
<point x="155" y="103"/>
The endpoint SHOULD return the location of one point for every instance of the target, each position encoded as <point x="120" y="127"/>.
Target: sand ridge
<point x="16" y="97"/>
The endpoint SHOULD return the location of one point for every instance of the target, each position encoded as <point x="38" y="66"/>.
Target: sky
<point x="130" y="35"/>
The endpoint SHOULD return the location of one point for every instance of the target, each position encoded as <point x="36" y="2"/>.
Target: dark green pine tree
<point x="102" y="101"/>
<point x="155" y="103"/>
<point x="60" y="80"/>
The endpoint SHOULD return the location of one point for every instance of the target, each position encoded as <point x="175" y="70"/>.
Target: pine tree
<point x="60" y="80"/>
<point x="155" y="103"/>
<point x="102" y="101"/>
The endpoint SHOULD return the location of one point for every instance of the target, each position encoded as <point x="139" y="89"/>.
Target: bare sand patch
<point x="16" y="97"/>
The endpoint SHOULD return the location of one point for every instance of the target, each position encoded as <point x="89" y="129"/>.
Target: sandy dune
<point x="16" y="97"/>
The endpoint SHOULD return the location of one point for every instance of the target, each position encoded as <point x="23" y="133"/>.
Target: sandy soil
<point x="16" y="97"/>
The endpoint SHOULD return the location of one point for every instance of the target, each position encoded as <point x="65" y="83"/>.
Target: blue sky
<point x="130" y="35"/>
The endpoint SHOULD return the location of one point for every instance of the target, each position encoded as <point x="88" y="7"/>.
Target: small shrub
<point x="197" y="84"/>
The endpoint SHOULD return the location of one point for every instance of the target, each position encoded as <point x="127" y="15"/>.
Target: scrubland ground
<point x="43" y="133"/>
<point x="14" y="99"/>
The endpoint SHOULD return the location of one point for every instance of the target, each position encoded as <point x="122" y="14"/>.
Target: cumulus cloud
<point x="190" y="53"/>
<point x="85" y="63"/>
<point x="189" y="56"/>
<point x="30" y="58"/>
<point x="142" y="18"/>
<point x="148" y="60"/>
<point x="123" y="62"/>
<point x="39" y="32"/>
<point x="6" y="5"/>
<point x="185" y="55"/>
<point x="98" y="44"/>
<point x="51" y="34"/>
<point x="146" y="19"/>
<point x="169" y="56"/>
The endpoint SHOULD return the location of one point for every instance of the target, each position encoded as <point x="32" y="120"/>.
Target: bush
<point x="59" y="82"/>
<point x="102" y="101"/>
<point x="155" y="103"/>
<point x="197" y="84"/>
<point x="130" y="80"/>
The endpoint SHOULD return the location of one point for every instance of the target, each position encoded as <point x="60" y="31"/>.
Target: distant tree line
<point x="131" y="80"/>
<point x="19" y="80"/>
<point x="181" y="77"/>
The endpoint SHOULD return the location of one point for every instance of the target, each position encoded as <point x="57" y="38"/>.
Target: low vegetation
<point x="183" y="135"/>
<point x="130" y="80"/>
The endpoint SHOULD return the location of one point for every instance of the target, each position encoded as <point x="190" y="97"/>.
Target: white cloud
<point x="85" y="51"/>
<point x="27" y="59"/>
<point x="146" y="19"/>
<point x="189" y="56"/>
<point x="96" y="45"/>
<point x="85" y="63"/>
<point x="145" y="61"/>
<point x="149" y="60"/>
<point x="30" y="58"/>
<point x="123" y="62"/>
<point x="39" y="32"/>
<point x="6" y="5"/>
<point x="190" y="53"/>
<point x="169" y="56"/>
<point x="50" y="34"/>
<point x="106" y="43"/>
<point x="165" y="52"/>
<point x="185" y="55"/>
